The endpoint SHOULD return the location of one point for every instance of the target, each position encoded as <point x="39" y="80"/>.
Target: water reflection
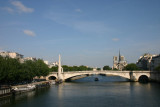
<point x="102" y="78"/>
<point x="14" y="100"/>
<point x="85" y="92"/>
<point x="17" y="98"/>
<point x="60" y="91"/>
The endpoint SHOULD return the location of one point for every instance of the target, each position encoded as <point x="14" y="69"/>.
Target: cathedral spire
<point x="119" y="56"/>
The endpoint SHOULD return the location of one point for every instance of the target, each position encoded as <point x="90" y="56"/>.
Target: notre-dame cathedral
<point x="119" y="63"/>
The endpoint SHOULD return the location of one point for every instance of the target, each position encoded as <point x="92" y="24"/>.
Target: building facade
<point x="119" y="63"/>
<point x="30" y="58"/>
<point x="53" y="64"/>
<point x="46" y="62"/>
<point x="11" y="55"/>
<point x="144" y="62"/>
<point x="155" y="62"/>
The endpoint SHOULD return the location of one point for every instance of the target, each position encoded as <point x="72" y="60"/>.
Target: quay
<point x="6" y="90"/>
<point x="37" y="84"/>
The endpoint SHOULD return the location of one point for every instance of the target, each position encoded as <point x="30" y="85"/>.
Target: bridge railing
<point x="99" y="71"/>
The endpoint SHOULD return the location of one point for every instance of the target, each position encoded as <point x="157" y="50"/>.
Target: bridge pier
<point x="132" y="78"/>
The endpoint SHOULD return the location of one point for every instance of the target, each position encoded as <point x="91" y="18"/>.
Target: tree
<point x="75" y="68"/>
<point x="98" y="69"/>
<point x="90" y="69"/>
<point x="82" y="68"/>
<point x="29" y="66"/>
<point x="13" y="72"/>
<point x="54" y="69"/>
<point x="65" y="68"/>
<point x="41" y="68"/>
<point x="131" y="67"/>
<point x="106" y="67"/>
<point x="10" y="70"/>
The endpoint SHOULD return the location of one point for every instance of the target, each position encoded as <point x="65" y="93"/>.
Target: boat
<point x="59" y="81"/>
<point x="52" y="82"/>
<point x="96" y="79"/>
<point x="17" y="90"/>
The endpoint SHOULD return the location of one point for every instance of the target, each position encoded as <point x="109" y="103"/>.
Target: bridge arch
<point x="143" y="79"/>
<point x="52" y="78"/>
<point x="75" y="76"/>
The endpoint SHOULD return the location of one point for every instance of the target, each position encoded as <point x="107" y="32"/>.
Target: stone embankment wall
<point x="155" y="76"/>
<point x="37" y="84"/>
<point x="5" y="91"/>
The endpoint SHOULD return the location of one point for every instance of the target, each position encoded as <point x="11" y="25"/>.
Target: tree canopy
<point x="131" y="67"/>
<point x="98" y="69"/>
<point x="12" y="71"/>
<point x="71" y="68"/>
<point x="106" y="67"/>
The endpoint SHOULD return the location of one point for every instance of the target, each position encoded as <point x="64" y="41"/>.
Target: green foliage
<point x="12" y="71"/>
<point x="157" y="68"/>
<point x="41" y="68"/>
<point x="131" y="67"/>
<point x="71" y="68"/>
<point x="106" y="67"/>
<point x="75" y="68"/>
<point x="54" y="69"/>
<point x="98" y="69"/>
<point x="65" y="68"/>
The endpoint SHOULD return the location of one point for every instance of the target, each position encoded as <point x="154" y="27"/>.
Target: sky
<point x="84" y="32"/>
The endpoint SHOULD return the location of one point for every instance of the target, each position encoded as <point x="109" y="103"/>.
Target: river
<point x="107" y="92"/>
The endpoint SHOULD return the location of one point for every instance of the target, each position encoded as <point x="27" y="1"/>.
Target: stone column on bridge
<point x="60" y="69"/>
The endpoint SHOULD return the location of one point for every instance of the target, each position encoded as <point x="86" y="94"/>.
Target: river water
<point x="107" y="92"/>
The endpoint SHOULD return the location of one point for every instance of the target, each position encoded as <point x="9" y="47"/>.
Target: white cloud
<point x="21" y="7"/>
<point x="78" y="10"/>
<point x="29" y="33"/>
<point x="115" y="39"/>
<point x="10" y="10"/>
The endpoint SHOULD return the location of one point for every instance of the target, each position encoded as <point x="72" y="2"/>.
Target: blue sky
<point x="84" y="32"/>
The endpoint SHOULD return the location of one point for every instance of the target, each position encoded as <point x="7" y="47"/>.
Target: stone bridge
<point x="133" y="76"/>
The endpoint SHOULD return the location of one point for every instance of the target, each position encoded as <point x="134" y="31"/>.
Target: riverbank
<point x="37" y="84"/>
<point x="6" y="91"/>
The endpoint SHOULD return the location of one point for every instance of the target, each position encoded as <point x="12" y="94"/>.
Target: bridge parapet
<point x="102" y="71"/>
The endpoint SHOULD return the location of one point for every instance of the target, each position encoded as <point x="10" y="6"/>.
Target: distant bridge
<point x="131" y="75"/>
